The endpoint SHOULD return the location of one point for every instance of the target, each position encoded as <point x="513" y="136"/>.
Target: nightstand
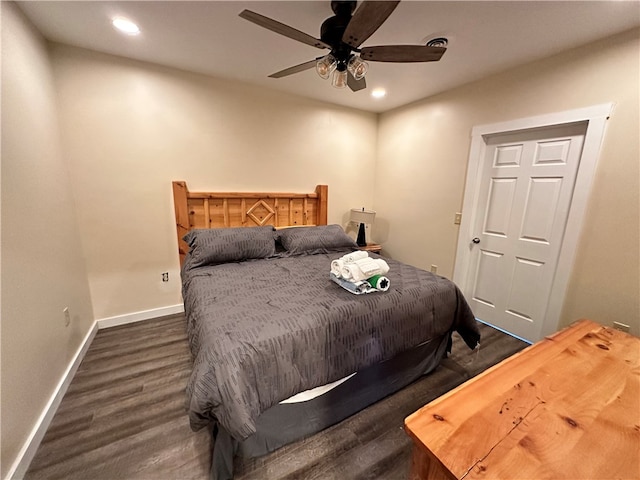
<point x="372" y="247"/>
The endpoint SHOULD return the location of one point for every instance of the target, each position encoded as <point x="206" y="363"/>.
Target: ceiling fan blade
<point x="295" y="69"/>
<point x="355" y="85"/>
<point x="366" y="20"/>
<point x="402" y="53"/>
<point x="282" y="29"/>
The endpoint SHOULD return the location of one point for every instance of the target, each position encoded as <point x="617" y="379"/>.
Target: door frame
<point x="595" y="118"/>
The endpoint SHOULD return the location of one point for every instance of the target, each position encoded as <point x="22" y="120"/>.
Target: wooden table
<point x="566" y="407"/>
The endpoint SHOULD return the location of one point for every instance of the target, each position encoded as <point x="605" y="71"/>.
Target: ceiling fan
<point x="343" y="34"/>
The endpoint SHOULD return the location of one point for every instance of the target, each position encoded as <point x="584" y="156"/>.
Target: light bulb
<point x="326" y="65"/>
<point x="358" y="67"/>
<point x="339" y="79"/>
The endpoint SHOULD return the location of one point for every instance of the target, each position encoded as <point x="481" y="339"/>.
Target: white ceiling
<point x="208" y="37"/>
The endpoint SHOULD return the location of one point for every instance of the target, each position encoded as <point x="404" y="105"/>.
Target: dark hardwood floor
<point x="123" y="416"/>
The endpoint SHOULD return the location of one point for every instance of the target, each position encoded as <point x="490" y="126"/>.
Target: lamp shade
<point x="360" y="215"/>
<point x="339" y="78"/>
<point x="326" y="65"/>
<point x="357" y="67"/>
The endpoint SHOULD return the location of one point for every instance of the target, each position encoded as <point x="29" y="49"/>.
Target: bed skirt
<point x="288" y="422"/>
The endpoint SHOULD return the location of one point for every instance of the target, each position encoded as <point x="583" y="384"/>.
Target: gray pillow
<point x="321" y="239"/>
<point x="223" y="245"/>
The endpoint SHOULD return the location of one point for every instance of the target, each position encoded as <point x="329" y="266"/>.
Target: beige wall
<point x="43" y="268"/>
<point x="424" y="148"/>
<point x="130" y="128"/>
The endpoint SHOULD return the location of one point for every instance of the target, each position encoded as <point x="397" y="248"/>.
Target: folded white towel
<point x="337" y="264"/>
<point x="348" y="271"/>
<point x="336" y="267"/>
<point x="369" y="267"/>
<point x="373" y="266"/>
<point x="364" y="268"/>
<point x="355" y="256"/>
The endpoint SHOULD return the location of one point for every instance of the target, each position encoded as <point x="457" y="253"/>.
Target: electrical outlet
<point x="165" y="277"/>
<point x="67" y="316"/>
<point x="621" y="326"/>
<point x="457" y="219"/>
<point x="434" y="268"/>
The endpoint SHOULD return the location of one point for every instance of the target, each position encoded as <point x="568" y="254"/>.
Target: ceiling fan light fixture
<point x="326" y="65"/>
<point x="358" y="67"/>
<point x="339" y="78"/>
<point x="342" y="34"/>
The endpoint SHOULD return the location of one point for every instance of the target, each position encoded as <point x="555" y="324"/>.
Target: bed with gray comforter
<point x="264" y="324"/>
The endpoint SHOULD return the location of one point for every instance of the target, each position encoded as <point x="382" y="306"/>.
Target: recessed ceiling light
<point x="378" y="93"/>
<point x="125" y="26"/>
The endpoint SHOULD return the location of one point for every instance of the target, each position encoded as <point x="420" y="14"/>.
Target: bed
<point x="280" y="351"/>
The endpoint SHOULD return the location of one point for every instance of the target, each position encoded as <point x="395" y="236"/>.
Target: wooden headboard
<point x="245" y="209"/>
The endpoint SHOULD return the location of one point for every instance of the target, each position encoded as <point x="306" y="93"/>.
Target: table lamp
<point x="362" y="217"/>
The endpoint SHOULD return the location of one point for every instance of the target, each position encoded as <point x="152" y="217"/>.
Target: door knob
<point x="476" y="240"/>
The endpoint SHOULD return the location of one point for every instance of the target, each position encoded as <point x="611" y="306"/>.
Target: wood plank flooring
<point x="123" y="416"/>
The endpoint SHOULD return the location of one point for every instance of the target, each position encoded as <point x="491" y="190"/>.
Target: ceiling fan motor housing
<point x="333" y="28"/>
<point x="344" y="8"/>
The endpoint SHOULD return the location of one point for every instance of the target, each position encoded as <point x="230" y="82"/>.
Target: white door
<point x="526" y="186"/>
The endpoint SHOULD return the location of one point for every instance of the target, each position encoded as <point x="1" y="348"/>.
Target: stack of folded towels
<point x="358" y="273"/>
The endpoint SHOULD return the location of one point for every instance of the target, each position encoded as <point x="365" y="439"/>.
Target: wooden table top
<point x="565" y="407"/>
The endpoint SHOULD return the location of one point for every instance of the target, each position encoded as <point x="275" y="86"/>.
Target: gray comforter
<point x="263" y="330"/>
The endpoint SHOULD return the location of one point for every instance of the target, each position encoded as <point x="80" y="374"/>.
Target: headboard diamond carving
<point x="260" y="213"/>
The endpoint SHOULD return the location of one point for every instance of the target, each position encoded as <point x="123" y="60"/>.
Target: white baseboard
<point x="504" y="331"/>
<point x="28" y="451"/>
<point x="30" y="447"/>
<point x="139" y="316"/>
